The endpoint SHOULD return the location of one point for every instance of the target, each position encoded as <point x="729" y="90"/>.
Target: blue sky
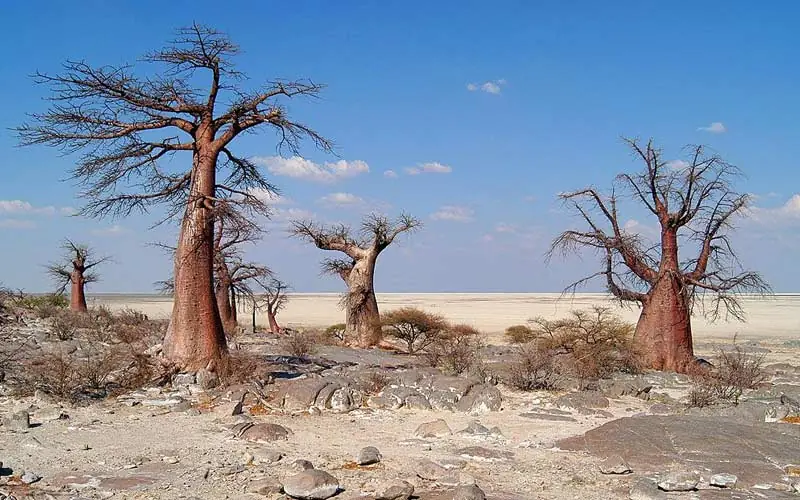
<point x="507" y="103"/>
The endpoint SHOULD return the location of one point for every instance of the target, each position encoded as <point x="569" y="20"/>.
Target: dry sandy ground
<point x="773" y="317"/>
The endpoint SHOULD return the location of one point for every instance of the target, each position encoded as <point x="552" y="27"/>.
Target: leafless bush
<point x="592" y="344"/>
<point x="373" y="382"/>
<point x="734" y="372"/>
<point x="243" y="367"/>
<point x="336" y="333"/>
<point x="300" y="344"/>
<point x="519" y="334"/>
<point x="417" y="328"/>
<point x="63" y="326"/>
<point x="455" y="350"/>
<point x="533" y="369"/>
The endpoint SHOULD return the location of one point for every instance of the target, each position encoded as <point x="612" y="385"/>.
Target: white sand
<point x="774" y="317"/>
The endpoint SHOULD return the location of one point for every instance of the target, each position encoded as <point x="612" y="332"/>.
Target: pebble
<point x="311" y="484"/>
<point x="30" y="478"/>
<point x="723" y="480"/>
<point x="679" y="481"/>
<point x="170" y="460"/>
<point x="399" y="491"/>
<point x="437" y="428"/>
<point x="615" y="465"/>
<point x="302" y="465"/>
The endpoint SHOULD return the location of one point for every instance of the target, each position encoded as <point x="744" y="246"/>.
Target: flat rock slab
<point x="654" y="443"/>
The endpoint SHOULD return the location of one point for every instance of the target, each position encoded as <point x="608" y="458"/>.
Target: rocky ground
<point x="374" y="424"/>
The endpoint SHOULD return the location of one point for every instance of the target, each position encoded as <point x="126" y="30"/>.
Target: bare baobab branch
<point x="694" y="204"/>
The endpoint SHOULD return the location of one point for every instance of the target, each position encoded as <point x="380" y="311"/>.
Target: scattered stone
<point x="265" y="487"/>
<point x="679" y="480"/>
<point x="183" y="379"/>
<point x="481" y="398"/>
<point x="475" y="429"/>
<point x="583" y="399"/>
<point x="301" y="465"/>
<point x="268" y="457"/>
<point x="30" y="478"/>
<point x="170" y="460"/>
<point x="484" y="454"/>
<point x="547" y="416"/>
<point x="51" y="414"/>
<point x="311" y="484"/>
<point x="469" y="492"/>
<point x="206" y="379"/>
<point x="19" y="421"/>
<point x="265" y="433"/>
<point x="615" y="465"/>
<point x="368" y="456"/>
<point x="645" y="489"/>
<point x="314" y="411"/>
<point x="437" y="428"/>
<point x="723" y="480"/>
<point x="431" y="471"/>
<point x="417" y="402"/>
<point x="400" y="491"/>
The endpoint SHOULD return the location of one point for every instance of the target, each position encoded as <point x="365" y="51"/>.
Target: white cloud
<point x="17" y="224"/>
<point x="109" y="231"/>
<point x="490" y="87"/>
<point x="789" y="211"/>
<point x="714" y="128"/>
<point x="677" y="164"/>
<point x="270" y="197"/>
<point x="287" y="214"/>
<point x="390" y="174"/>
<point x="341" y="199"/>
<point x="502" y="227"/>
<point x="431" y="167"/>
<point x="300" y="168"/>
<point x="67" y="211"/>
<point x="453" y="213"/>
<point x="24" y="207"/>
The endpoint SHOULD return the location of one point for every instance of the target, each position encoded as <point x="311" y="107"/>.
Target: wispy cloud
<point x="453" y="213"/>
<point x="289" y="214"/>
<point x="301" y="168"/>
<point x="677" y="164"/>
<point x="429" y="168"/>
<point x="17" y="224"/>
<point x="24" y="207"/>
<point x="114" y="230"/>
<point x="490" y="87"/>
<point x="341" y="200"/>
<point x="714" y="128"/>
<point x="270" y="197"/>
<point x="390" y="174"/>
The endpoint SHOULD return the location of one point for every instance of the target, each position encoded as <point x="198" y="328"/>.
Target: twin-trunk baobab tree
<point x="77" y="271"/>
<point x="362" y="322"/>
<point x="694" y="205"/>
<point x="128" y="129"/>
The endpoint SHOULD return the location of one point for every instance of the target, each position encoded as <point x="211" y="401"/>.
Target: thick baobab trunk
<point x="226" y="314"/>
<point x="362" y="316"/>
<point x="664" y="332"/>
<point x="77" y="297"/>
<point x="195" y="337"/>
<point x="273" y="323"/>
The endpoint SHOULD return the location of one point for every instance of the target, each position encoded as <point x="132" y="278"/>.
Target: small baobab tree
<point x="76" y="270"/>
<point x="377" y="232"/>
<point x="273" y="299"/>
<point x="130" y="128"/>
<point x="694" y="204"/>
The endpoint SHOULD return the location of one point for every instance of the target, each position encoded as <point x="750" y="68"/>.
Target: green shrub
<point x="416" y="328"/>
<point x="519" y="334"/>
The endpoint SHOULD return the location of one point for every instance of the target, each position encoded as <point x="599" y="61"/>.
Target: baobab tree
<point x="694" y="204"/>
<point x="75" y="270"/>
<point x="273" y="299"/>
<point x="126" y="126"/>
<point x="377" y="232"/>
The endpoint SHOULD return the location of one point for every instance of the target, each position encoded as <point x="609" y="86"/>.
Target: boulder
<point x="443" y="400"/>
<point x="679" y="480"/>
<point x="645" y="489"/>
<point x="368" y="456"/>
<point x="469" y="492"/>
<point x="482" y="454"/>
<point x="207" y="379"/>
<point x="481" y="398"/>
<point x="311" y="484"/>
<point x="615" y="465"/>
<point x="19" y="421"/>
<point x="398" y="491"/>
<point x="264" y="487"/>
<point x="418" y="402"/>
<point x="301" y="394"/>
<point x="723" y="480"/>
<point x="583" y="399"/>
<point x="265" y="433"/>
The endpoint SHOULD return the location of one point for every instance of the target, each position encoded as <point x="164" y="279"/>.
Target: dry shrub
<point x="300" y="344"/>
<point x="43" y="306"/>
<point x="373" y="382"/>
<point x="455" y="350"/>
<point x="243" y="367"/>
<point x="63" y="326"/>
<point x="417" y="328"/>
<point x="533" y="369"/>
<point x="592" y="344"/>
<point x="519" y="334"/>
<point x="734" y="372"/>
<point x="336" y="333"/>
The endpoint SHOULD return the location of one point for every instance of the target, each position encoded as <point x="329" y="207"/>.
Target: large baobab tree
<point x="75" y="270"/>
<point x="273" y="299"/>
<point x="377" y="232"/>
<point x="694" y="204"/>
<point x="128" y="127"/>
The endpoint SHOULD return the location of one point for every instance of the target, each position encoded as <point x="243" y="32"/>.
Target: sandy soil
<point x="774" y="317"/>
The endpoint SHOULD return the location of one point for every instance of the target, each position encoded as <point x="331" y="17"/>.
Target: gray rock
<point x="19" y="421"/>
<point x="206" y="379"/>
<point x="437" y="428"/>
<point x="382" y="402"/>
<point x="311" y="484"/>
<point x="264" y="487"/>
<point x="481" y="398"/>
<point x="615" y="465"/>
<point x="430" y="471"/>
<point x="30" y="478"/>
<point x="645" y="489"/>
<point x="475" y="429"/>
<point x="469" y="492"/>
<point x="547" y="415"/>
<point x="368" y="456"/>
<point x="417" y="402"/>
<point x="265" y="433"/>
<point x="301" y="394"/>
<point x="723" y="480"/>
<point x="443" y="400"/>
<point x="345" y="399"/>
<point x="51" y="414"/>
<point x="183" y="379"/>
<point x="679" y="480"/>
<point x="583" y="399"/>
<point x="399" y="491"/>
<point x="482" y="454"/>
<point x="268" y="456"/>
<point x="301" y="465"/>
